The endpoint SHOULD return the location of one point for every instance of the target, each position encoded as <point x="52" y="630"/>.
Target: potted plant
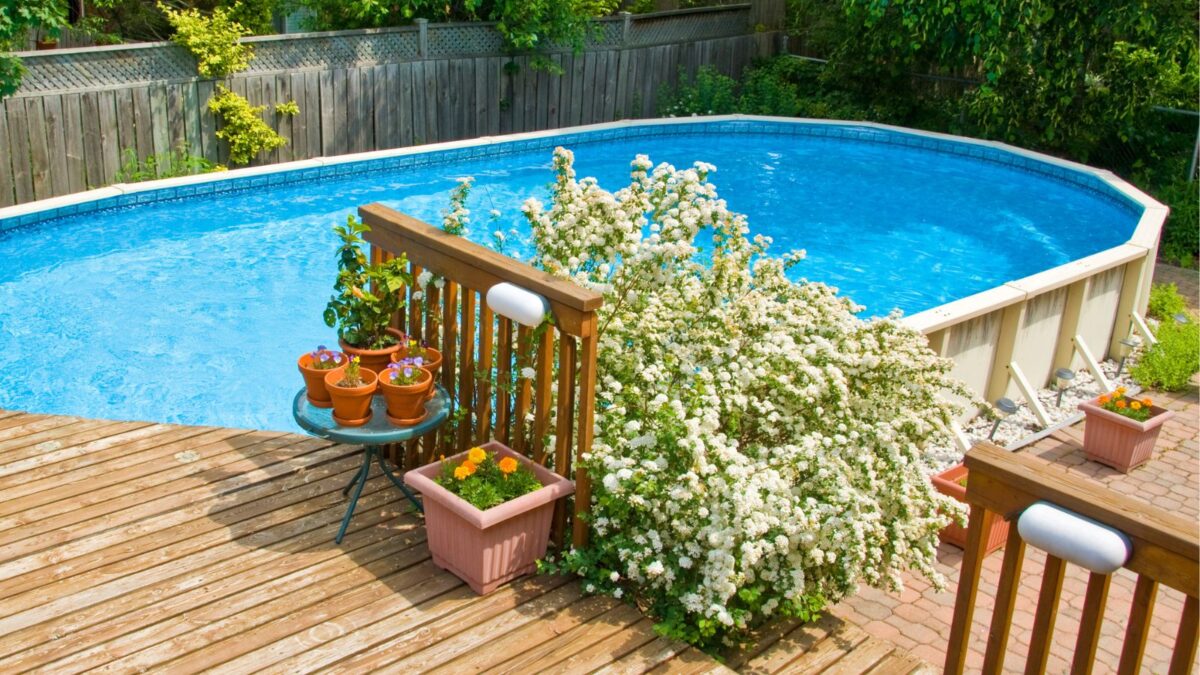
<point x="953" y="483"/>
<point x="404" y="385"/>
<point x="314" y="366"/>
<point x="488" y="513"/>
<point x="431" y="359"/>
<point x="351" y="389"/>
<point x="366" y="298"/>
<point x="1120" y="431"/>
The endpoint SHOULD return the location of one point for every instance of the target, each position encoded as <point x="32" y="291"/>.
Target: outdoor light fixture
<point x="1063" y="378"/>
<point x="1004" y="407"/>
<point x="1126" y="348"/>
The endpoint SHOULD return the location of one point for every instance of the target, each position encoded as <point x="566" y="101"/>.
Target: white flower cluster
<point x="759" y="448"/>
<point x="458" y="216"/>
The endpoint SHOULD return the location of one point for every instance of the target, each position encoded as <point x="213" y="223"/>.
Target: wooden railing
<point x="1165" y="550"/>
<point x="483" y="360"/>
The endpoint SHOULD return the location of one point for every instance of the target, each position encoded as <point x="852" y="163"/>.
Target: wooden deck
<point x="127" y="546"/>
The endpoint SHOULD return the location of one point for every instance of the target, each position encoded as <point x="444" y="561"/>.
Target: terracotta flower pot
<point x="947" y="483"/>
<point x="47" y="44"/>
<point x="406" y="402"/>
<point x="351" y="405"/>
<point x="314" y="380"/>
<point x="374" y="359"/>
<point x="1119" y="441"/>
<point x="432" y="361"/>
<point x="488" y="548"/>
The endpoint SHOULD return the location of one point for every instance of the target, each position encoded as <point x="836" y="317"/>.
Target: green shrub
<point x="1165" y="301"/>
<point x="214" y="40"/>
<point x="289" y="108"/>
<point x="178" y="162"/>
<point x="1181" y="234"/>
<point x="1169" y="365"/>
<point x="768" y="90"/>
<point x="244" y="129"/>
<point x="709" y="93"/>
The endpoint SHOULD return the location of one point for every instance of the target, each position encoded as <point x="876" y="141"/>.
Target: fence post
<point x="422" y="38"/>
<point x="626" y="25"/>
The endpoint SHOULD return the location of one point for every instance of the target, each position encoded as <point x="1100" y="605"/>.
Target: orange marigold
<point x="1122" y="404"/>
<point x="1147" y="402"/>
<point x="1104" y="399"/>
<point x="463" y="470"/>
<point x="507" y="465"/>
<point x="476" y="456"/>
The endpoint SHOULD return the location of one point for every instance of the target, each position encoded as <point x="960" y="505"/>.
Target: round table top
<point x="378" y="431"/>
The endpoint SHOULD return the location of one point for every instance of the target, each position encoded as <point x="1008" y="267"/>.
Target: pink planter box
<point x="1118" y="441"/>
<point x="488" y="548"/>
<point x="946" y="483"/>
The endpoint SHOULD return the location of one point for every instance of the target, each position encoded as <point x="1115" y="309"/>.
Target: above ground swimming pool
<point x="189" y="303"/>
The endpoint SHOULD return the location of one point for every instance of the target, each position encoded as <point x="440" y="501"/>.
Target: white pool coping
<point x="1143" y="240"/>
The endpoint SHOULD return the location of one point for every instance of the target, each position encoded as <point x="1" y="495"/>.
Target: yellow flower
<point x="476" y="455"/>
<point x="1136" y="405"/>
<point x="463" y="470"/>
<point x="508" y="465"/>
<point x="1121" y="391"/>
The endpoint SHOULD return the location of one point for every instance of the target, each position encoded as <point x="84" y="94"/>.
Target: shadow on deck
<point x="127" y="546"/>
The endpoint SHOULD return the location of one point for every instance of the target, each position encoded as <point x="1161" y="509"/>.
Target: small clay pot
<point x="432" y="361"/>
<point x="47" y="44"/>
<point x="314" y="379"/>
<point x="406" y="402"/>
<point x="351" y="405"/>
<point x="375" y="359"/>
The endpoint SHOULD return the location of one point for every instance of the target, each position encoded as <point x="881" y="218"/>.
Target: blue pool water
<point x="193" y="310"/>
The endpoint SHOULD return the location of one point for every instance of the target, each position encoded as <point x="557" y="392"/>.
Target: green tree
<point x="16" y="17"/>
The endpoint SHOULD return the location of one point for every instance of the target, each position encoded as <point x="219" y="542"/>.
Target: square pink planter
<point x="1118" y="441"/>
<point x="946" y="483"/>
<point x="488" y="548"/>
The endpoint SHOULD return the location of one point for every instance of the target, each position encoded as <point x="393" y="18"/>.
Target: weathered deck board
<point x="130" y="546"/>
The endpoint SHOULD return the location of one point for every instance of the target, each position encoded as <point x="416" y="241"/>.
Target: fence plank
<point x="429" y="95"/>
<point x="92" y="151"/>
<point x="176" y="117"/>
<point x="161" y="131"/>
<point x="18" y="130"/>
<point x="56" y="146"/>
<point x="7" y="196"/>
<point x="126" y="124"/>
<point x="444" y="113"/>
<point x="39" y="160"/>
<point x="588" y="105"/>
<point x="382" y="108"/>
<point x="313" y="97"/>
<point x="283" y="94"/>
<point x="191" y="119"/>
<point x="208" y="145"/>
<point x="143" y="122"/>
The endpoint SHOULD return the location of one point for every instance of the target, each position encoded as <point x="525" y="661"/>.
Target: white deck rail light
<point x="1004" y="408"/>
<point x="1073" y="538"/>
<point x="1063" y="377"/>
<point x="525" y="307"/>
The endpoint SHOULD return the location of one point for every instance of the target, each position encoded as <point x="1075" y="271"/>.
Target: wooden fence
<point x="59" y="141"/>
<point x="483" y="356"/>
<point x="1165" y="550"/>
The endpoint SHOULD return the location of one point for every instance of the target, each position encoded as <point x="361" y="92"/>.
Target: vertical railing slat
<point x="1047" y="612"/>
<point x="1187" y="638"/>
<point x="504" y="378"/>
<point x="466" y="369"/>
<point x="1006" y="600"/>
<point x="585" y="430"/>
<point x="449" y="355"/>
<point x="524" y="389"/>
<point x="415" y="306"/>
<point x="542" y="392"/>
<point x="483" y="395"/>
<point x="563" y="429"/>
<point x="1138" y="627"/>
<point x="968" y="583"/>
<point x="1089" y="625"/>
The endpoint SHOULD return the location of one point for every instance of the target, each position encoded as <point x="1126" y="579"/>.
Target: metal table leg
<point x="359" y="481"/>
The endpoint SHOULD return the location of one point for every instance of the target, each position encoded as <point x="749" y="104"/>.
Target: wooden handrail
<point x="1165" y="550"/>
<point x="477" y="346"/>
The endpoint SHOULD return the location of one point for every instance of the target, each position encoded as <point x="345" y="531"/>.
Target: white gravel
<point x="1019" y="426"/>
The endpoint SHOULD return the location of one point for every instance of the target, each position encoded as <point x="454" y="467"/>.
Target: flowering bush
<point x="484" y="482"/>
<point x="1133" y="408"/>
<point x="759" y="448"/>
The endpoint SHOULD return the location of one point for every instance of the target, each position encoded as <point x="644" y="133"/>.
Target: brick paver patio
<point x="918" y="619"/>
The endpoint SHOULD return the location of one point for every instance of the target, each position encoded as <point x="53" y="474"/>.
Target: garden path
<point x="918" y="618"/>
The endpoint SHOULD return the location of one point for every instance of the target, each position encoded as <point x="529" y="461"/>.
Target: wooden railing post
<point x="586" y="413"/>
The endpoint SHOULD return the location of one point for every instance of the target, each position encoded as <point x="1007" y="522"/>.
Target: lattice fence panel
<point x="51" y="71"/>
<point x="321" y="51"/>
<point x="703" y="26"/>
<point x="459" y="39"/>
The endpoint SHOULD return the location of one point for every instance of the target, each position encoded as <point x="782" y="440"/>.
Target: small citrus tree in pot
<point x="365" y="299"/>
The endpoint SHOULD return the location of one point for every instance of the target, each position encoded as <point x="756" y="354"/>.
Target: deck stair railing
<point x="486" y="356"/>
<point x="1075" y="522"/>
